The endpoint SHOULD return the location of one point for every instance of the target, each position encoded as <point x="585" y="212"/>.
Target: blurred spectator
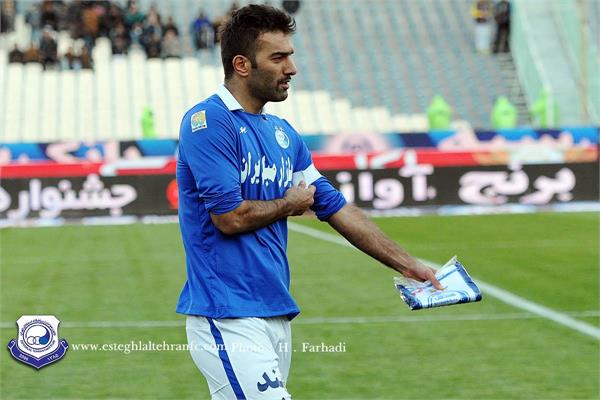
<point x="70" y="60"/>
<point x="16" y="55"/>
<point x="32" y="54"/>
<point x="170" y="26"/>
<point x="133" y="15"/>
<point x="153" y="46"/>
<point x="502" y="17"/>
<point x="125" y="26"/>
<point x="33" y="17"/>
<point x="119" y="32"/>
<point x="49" y="15"/>
<point x="7" y="16"/>
<point x="136" y="34"/>
<point x="203" y="32"/>
<point x="171" y="46"/>
<point x="48" y="49"/>
<point x="290" y="6"/>
<point x="153" y="13"/>
<point x="102" y="9"/>
<point x="119" y="46"/>
<point x="152" y="27"/>
<point x="90" y="25"/>
<point x="115" y="15"/>
<point x="223" y="20"/>
<point x="481" y="11"/>
<point x="86" y="58"/>
<point x="74" y="19"/>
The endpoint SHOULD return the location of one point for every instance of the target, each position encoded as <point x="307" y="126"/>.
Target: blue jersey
<point x="225" y="156"/>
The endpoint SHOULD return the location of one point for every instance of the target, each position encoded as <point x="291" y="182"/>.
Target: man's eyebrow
<point x="282" y="53"/>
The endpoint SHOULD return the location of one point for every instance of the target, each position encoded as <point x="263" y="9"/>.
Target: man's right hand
<point x="299" y="198"/>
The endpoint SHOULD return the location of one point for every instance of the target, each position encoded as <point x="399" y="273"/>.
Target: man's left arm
<point x="359" y="230"/>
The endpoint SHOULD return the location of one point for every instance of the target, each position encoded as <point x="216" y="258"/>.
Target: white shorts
<point x="242" y="358"/>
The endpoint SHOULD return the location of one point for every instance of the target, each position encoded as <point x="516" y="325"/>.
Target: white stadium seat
<point x="31" y="96"/>
<point x="342" y="110"/>
<point x="155" y="80"/>
<point x="121" y="101"/>
<point x="67" y="114"/>
<point x="139" y="91"/>
<point x="49" y="111"/>
<point x="104" y="117"/>
<point x="191" y="70"/>
<point x="86" y="125"/>
<point x="13" y="106"/>
<point x="175" y="93"/>
<point x="325" y="115"/>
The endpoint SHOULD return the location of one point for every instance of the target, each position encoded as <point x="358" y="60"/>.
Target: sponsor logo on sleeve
<point x="198" y="121"/>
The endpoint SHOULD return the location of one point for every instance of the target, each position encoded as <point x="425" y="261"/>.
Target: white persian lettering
<point x="51" y="201"/>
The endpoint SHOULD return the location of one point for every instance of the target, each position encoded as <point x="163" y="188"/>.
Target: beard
<point x="265" y="88"/>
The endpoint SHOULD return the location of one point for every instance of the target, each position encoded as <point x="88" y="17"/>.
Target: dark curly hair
<point x="239" y="35"/>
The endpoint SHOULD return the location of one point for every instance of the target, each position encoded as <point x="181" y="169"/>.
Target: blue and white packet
<point x="458" y="288"/>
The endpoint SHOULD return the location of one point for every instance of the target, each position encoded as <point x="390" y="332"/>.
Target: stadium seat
<point x="63" y="42"/>
<point x="102" y="51"/>
<point x="191" y="82"/>
<point x="307" y="115"/>
<point x="86" y="124"/>
<point x="31" y="97"/>
<point x="364" y="122"/>
<point x="68" y="114"/>
<point x="139" y="90"/>
<point x="103" y="107"/>
<point x="121" y="103"/>
<point x="324" y="112"/>
<point x="381" y="119"/>
<point x="50" y="107"/>
<point x="402" y="123"/>
<point x="155" y="79"/>
<point x="342" y="110"/>
<point x="3" y="102"/>
<point x="210" y="78"/>
<point x="13" y="107"/>
<point x="175" y="93"/>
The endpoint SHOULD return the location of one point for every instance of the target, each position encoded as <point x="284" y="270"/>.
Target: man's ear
<point x="241" y="65"/>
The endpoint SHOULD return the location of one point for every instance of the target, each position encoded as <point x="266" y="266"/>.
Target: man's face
<point x="270" y="77"/>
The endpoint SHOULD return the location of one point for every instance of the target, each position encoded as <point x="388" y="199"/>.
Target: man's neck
<point x="242" y="95"/>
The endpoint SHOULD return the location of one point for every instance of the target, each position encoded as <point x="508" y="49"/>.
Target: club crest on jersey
<point x="281" y="137"/>
<point x="198" y="120"/>
<point x="38" y="343"/>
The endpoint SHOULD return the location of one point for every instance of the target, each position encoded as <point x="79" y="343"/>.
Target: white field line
<point x="487" y="289"/>
<point x="326" y="320"/>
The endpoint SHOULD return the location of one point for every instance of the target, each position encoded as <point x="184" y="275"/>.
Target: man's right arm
<point x="255" y="214"/>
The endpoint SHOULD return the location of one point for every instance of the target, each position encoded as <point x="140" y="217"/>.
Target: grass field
<point x="486" y="350"/>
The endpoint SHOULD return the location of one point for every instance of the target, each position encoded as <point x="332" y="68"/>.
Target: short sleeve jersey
<point x="226" y="156"/>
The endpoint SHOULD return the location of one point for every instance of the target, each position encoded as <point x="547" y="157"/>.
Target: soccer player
<point x="241" y="174"/>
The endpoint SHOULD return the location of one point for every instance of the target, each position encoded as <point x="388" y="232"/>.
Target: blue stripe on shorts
<point x="233" y="381"/>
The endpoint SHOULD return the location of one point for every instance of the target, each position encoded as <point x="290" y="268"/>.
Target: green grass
<point x="135" y="273"/>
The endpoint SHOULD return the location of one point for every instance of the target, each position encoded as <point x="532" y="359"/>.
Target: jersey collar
<point x="230" y="102"/>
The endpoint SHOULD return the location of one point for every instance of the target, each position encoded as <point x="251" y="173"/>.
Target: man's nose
<point x="290" y="68"/>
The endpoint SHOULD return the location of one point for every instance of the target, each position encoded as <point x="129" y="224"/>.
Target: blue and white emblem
<point x="282" y="138"/>
<point x="37" y="343"/>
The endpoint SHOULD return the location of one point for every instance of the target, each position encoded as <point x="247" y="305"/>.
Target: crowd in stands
<point x="488" y="16"/>
<point x="87" y="20"/>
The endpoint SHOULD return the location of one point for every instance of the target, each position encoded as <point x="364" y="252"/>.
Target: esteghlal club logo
<point x="37" y="343"/>
<point x="281" y="137"/>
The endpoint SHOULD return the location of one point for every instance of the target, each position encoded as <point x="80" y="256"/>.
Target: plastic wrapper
<point x="458" y="288"/>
